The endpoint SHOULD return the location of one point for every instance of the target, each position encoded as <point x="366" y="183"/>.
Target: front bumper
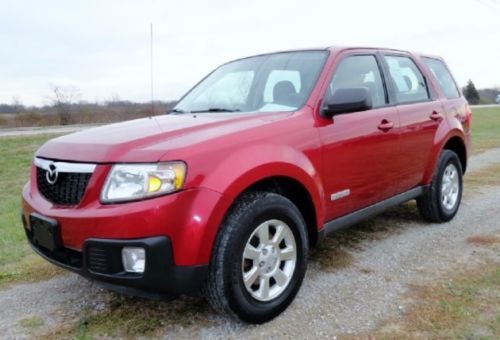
<point x="177" y="230"/>
<point x="100" y="261"/>
<point x="190" y="219"/>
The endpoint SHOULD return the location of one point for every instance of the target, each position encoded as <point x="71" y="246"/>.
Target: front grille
<point x="67" y="190"/>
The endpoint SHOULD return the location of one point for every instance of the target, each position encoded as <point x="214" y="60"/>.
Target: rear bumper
<point x="100" y="261"/>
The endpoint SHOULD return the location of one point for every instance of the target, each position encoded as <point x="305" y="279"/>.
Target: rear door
<point x="420" y="113"/>
<point x="453" y="103"/>
<point x="359" y="148"/>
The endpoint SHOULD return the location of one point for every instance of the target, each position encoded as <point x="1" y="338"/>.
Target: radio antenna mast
<point x="151" y="70"/>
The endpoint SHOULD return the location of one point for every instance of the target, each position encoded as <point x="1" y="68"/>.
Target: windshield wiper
<point x="216" y="109"/>
<point x="177" y="111"/>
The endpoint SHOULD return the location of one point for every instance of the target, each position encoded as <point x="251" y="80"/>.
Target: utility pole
<point x="151" y="64"/>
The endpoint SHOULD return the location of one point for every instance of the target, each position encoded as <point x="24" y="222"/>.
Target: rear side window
<point x="409" y="83"/>
<point x="443" y="76"/>
<point x="360" y="71"/>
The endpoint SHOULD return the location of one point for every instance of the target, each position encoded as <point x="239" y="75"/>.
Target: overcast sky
<point x="102" y="47"/>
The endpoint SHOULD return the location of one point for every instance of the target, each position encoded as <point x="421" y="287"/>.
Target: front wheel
<point x="441" y="201"/>
<point x="259" y="259"/>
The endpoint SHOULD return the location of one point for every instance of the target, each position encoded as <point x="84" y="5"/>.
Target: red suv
<point x="260" y="160"/>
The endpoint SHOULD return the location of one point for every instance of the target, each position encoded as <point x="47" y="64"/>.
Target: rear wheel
<point x="259" y="259"/>
<point x="441" y="202"/>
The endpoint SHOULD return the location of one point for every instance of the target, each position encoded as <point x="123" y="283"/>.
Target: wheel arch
<point x="296" y="192"/>
<point x="457" y="145"/>
<point x="453" y="141"/>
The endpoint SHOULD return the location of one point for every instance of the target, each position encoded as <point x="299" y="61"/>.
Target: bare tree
<point x="17" y="105"/>
<point x="62" y="98"/>
<point x="115" y="98"/>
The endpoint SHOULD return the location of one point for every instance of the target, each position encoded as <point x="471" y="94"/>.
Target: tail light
<point x="468" y="118"/>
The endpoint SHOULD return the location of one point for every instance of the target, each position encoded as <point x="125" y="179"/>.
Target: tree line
<point x="65" y="107"/>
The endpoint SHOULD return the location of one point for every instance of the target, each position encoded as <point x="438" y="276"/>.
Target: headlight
<point x="128" y="182"/>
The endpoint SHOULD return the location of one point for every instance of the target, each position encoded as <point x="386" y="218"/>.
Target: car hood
<point x="148" y="139"/>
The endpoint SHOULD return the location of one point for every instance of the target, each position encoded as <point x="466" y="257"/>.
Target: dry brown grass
<point x="488" y="176"/>
<point x="476" y="181"/>
<point x="126" y="317"/>
<point x="484" y="240"/>
<point x="28" y="119"/>
<point x="331" y="255"/>
<point x="82" y="113"/>
<point x="481" y="146"/>
<point x="466" y="306"/>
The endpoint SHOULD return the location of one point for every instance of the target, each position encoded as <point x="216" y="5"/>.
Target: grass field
<point x="15" y="159"/>
<point x="16" y="156"/>
<point x="485" y="128"/>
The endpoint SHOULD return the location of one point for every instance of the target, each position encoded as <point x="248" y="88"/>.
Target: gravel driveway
<point x="389" y="253"/>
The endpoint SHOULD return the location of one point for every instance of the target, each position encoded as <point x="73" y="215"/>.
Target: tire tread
<point x="218" y="283"/>
<point x="428" y="204"/>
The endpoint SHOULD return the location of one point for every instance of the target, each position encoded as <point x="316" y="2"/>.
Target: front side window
<point x="360" y="71"/>
<point x="274" y="82"/>
<point x="443" y="76"/>
<point x="408" y="81"/>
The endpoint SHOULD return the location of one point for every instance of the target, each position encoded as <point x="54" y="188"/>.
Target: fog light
<point x="134" y="259"/>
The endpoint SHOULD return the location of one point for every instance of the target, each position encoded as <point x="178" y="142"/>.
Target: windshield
<point x="274" y="82"/>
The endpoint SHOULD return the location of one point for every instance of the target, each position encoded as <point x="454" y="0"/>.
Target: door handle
<point x="436" y="116"/>
<point x="385" y="125"/>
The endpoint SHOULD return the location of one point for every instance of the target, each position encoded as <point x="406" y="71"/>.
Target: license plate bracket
<point x="45" y="232"/>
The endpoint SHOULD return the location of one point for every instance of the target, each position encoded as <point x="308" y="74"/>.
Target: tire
<point x="226" y="289"/>
<point x="436" y="205"/>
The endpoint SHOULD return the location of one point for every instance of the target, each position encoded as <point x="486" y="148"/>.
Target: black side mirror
<point x="347" y="100"/>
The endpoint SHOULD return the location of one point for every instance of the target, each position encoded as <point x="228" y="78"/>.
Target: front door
<point x="359" y="148"/>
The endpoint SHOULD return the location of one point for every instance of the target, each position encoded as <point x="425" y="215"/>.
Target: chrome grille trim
<point x="65" y="166"/>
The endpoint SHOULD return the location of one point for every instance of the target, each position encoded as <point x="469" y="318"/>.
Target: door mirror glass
<point x="347" y="100"/>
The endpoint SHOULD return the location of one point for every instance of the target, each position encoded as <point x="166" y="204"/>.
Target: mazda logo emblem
<point x="51" y="174"/>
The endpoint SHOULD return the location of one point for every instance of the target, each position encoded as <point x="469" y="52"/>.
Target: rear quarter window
<point x="443" y="76"/>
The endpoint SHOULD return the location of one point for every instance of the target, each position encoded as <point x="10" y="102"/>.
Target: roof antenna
<point x="151" y="69"/>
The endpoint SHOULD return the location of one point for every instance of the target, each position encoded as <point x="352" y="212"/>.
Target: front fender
<point x="244" y="167"/>
<point x="237" y="171"/>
